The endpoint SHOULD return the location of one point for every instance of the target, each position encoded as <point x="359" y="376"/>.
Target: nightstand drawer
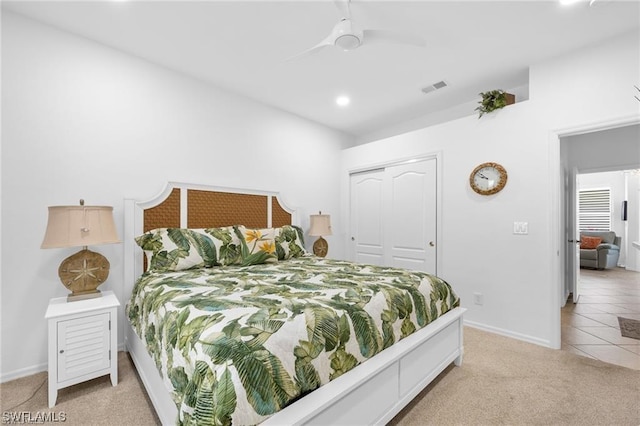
<point x="84" y="346"/>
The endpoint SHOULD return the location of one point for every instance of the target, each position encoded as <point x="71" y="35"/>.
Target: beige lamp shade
<point x="77" y="226"/>
<point x="320" y="225"/>
<point x="81" y="226"/>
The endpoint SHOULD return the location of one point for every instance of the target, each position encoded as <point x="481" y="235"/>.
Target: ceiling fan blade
<point x="324" y="43"/>
<point x="598" y="2"/>
<point x="343" y="8"/>
<point x="385" y="36"/>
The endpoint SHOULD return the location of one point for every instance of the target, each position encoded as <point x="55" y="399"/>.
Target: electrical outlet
<point x="478" y="298"/>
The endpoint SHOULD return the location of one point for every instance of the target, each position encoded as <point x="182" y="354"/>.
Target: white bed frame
<point x="372" y="393"/>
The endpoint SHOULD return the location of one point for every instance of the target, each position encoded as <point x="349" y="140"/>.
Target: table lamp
<point x="320" y="225"/>
<point x="81" y="226"/>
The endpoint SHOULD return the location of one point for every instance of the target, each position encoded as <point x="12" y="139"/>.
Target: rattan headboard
<point x="205" y="208"/>
<point x="183" y="205"/>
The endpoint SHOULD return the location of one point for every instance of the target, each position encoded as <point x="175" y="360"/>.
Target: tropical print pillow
<point x="289" y="242"/>
<point x="228" y="246"/>
<point x="257" y="245"/>
<point x="177" y="249"/>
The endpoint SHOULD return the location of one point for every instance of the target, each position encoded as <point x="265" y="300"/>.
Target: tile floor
<point x="590" y="327"/>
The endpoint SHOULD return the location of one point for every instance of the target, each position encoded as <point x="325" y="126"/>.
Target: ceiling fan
<point x="347" y="35"/>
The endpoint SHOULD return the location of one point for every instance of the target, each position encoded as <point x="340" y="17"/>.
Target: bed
<point x="319" y="341"/>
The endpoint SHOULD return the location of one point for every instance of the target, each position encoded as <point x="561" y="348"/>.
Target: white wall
<point x="81" y="120"/>
<point x="521" y="94"/>
<point x="517" y="274"/>
<point x="607" y="150"/>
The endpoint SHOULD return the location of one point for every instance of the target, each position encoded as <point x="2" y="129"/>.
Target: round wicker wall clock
<point x="488" y="178"/>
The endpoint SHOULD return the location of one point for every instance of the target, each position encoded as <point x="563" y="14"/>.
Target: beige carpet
<point x="501" y="382"/>
<point x="508" y="382"/>
<point x="95" y="402"/>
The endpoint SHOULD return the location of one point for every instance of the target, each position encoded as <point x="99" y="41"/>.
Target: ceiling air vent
<point x="434" y="86"/>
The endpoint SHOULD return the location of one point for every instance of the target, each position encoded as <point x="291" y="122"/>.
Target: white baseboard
<point x="34" y="369"/>
<point x="507" y="333"/>
<point x="23" y="372"/>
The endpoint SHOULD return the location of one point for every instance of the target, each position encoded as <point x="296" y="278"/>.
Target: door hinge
<point x="109" y="354"/>
<point x="109" y="325"/>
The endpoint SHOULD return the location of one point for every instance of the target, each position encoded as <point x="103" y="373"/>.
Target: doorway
<point x="586" y="323"/>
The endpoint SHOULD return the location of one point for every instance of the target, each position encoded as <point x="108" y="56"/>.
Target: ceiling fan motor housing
<point x="348" y="42"/>
<point x="346" y="37"/>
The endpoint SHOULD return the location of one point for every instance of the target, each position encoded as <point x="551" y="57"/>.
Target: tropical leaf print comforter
<point x="236" y="344"/>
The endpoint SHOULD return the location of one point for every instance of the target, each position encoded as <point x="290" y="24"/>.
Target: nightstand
<point x="83" y="341"/>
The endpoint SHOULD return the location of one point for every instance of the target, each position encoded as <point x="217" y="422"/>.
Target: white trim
<point x="508" y="333"/>
<point x="184" y="208"/>
<point x="269" y="211"/>
<point x="24" y="372"/>
<point x="556" y="240"/>
<point x="396" y="162"/>
<point x="618" y="168"/>
<point x="556" y="229"/>
<point x="598" y="126"/>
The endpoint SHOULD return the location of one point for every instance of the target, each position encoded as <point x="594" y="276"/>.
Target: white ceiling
<point x="242" y="46"/>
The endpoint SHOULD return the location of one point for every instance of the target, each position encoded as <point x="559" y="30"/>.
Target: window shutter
<point x="595" y="209"/>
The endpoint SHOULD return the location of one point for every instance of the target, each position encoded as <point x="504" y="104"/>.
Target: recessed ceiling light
<point x="343" y="101"/>
<point x="569" y="2"/>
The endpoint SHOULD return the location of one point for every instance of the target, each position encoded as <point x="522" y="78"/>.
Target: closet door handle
<point x="432" y="244"/>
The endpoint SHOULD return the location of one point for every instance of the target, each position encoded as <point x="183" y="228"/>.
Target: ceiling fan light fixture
<point x="348" y="42"/>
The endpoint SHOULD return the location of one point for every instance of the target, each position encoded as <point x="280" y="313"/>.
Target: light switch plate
<point x="521" y="228"/>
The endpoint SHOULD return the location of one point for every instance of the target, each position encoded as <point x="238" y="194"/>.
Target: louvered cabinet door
<point x="83" y="341"/>
<point x="83" y="346"/>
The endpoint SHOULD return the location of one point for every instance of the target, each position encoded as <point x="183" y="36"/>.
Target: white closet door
<point x="410" y="216"/>
<point x="393" y="216"/>
<point x="367" y="227"/>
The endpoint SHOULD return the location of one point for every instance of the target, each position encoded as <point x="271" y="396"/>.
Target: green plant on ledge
<point x="493" y="100"/>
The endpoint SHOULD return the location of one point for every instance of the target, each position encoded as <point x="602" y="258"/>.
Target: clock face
<point x="488" y="178"/>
